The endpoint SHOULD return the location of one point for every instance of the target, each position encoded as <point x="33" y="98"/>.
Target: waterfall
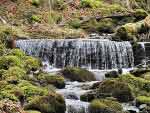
<point x="145" y="53"/>
<point x="87" y="53"/>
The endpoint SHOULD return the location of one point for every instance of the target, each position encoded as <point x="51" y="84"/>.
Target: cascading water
<point x="93" y="54"/>
<point x="87" y="53"/>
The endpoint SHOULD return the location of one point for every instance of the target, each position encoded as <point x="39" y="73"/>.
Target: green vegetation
<point x="78" y="74"/>
<point x="47" y="104"/>
<point x="110" y="88"/>
<point x="143" y="100"/>
<point x="105" y="106"/>
<point x="48" y="79"/>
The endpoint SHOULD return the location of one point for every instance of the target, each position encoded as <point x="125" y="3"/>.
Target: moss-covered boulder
<point x="129" y="31"/>
<point x="53" y="103"/>
<point x="143" y="100"/>
<point x="51" y="79"/>
<point x="111" y="88"/>
<point x="138" y="85"/>
<point x="105" y="106"/>
<point x="78" y="74"/>
<point x="140" y="14"/>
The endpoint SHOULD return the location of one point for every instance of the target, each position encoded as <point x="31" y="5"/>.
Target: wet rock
<point x="112" y="74"/>
<point x="78" y="74"/>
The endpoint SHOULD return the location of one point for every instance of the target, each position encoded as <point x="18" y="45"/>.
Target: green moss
<point x="129" y="31"/>
<point x="143" y="100"/>
<point x="117" y="89"/>
<point x="17" y="52"/>
<point x="98" y="106"/>
<point x="140" y="14"/>
<point x="52" y="103"/>
<point x="48" y="79"/>
<point x="139" y="85"/>
<point x="10" y="61"/>
<point x="35" y="18"/>
<point x="78" y="74"/>
<point x="35" y="2"/>
<point x="31" y="90"/>
<point x="14" y="73"/>
<point x="75" y="23"/>
<point x="31" y="63"/>
<point x="106" y="26"/>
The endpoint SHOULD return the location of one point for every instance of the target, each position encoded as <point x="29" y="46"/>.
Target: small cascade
<point x="143" y="53"/>
<point x="86" y="53"/>
<point x="72" y="93"/>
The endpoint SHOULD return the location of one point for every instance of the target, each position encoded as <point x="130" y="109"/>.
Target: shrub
<point x="78" y="74"/>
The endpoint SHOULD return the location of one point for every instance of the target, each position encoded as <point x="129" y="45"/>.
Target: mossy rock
<point x="140" y="14"/>
<point x="105" y="106"/>
<point x="129" y="31"/>
<point x="138" y="85"/>
<point x="78" y="74"/>
<point x="111" y="88"/>
<point x="10" y="61"/>
<point x="53" y="103"/>
<point x="117" y="89"/>
<point x="31" y="63"/>
<point x="143" y="100"/>
<point x="46" y="79"/>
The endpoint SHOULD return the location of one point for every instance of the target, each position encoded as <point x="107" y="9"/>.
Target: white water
<point x="72" y="93"/>
<point x="86" y="53"/>
<point x="91" y="54"/>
